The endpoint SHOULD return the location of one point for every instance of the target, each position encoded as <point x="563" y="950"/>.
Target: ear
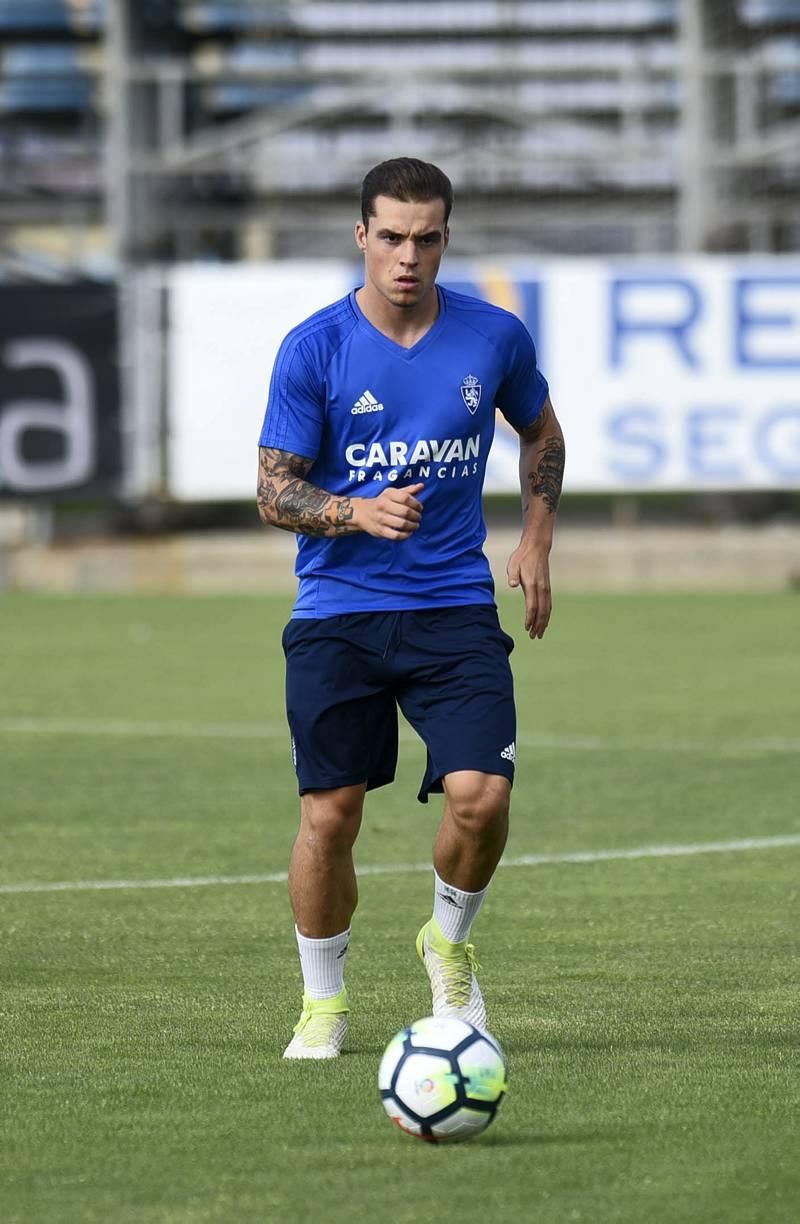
<point x="361" y="236"/>
<point x="446" y="237"/>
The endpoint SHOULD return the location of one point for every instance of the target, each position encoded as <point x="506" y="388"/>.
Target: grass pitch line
<point x="149" y="729"/>
<point x="144" y="728"/>
<point x="378" y="869"/>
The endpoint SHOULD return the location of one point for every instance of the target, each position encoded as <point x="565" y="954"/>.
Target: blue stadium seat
<point x="359" y="16"/>
<point x="769" y="12"/>
<point x="39" y="59"/>
<point x="220" y="15"/>
<point x="43" y="78"/>
<point x="53" y="96"/>
<point x="32" y="15"/>
<point x="242" y="96"/>
<point x="785" y="89"/>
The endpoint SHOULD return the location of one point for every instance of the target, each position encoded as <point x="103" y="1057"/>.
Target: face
<point x="403" y="247"/>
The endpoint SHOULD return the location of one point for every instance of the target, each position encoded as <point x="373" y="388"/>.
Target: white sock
<point x="455" y="910"/>
<point x="322" y="962"/>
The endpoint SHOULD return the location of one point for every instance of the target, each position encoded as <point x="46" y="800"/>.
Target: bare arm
<point x="541" y="469"/>
<point x="287" y="500"/>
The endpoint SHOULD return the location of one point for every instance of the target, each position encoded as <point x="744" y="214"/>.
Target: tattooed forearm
<point x="541" y="469"/>
<point x="545" y="482"/>
<point x="299" y="500"/>
<point x="286" y="500"/>
<point x="266" y="493"/>
<point x="344" y="512"/>
<point x="305" y="508"/>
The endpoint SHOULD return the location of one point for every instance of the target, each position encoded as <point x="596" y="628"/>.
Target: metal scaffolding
<point x="669" y="135"/>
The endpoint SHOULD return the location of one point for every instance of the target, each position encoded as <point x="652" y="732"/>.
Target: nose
<point x="409" y="256"/>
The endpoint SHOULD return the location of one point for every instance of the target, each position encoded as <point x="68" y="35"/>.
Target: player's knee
<point x="479" y="805"/>
<point x="331" y="819"/>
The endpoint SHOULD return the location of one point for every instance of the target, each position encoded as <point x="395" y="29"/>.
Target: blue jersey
<point x="370" y="414"/>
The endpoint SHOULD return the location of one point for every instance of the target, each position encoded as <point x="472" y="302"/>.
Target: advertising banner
<point x="678" y="375"/>
<point x="59" y="398"/>
<point x="681" y="376"/>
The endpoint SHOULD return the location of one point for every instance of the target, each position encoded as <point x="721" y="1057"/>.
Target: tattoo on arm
<point x="543" y="446"/>
<point x="303" y="507"/>
<point x="543" y="451"/>
<point x="286" y="499"/>
<point x="546" y="481"/>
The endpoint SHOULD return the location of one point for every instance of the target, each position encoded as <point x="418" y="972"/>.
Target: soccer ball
<point x="442" y="1080"/>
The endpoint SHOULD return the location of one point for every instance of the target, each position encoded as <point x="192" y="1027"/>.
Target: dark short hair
<point x="406" y="179"/>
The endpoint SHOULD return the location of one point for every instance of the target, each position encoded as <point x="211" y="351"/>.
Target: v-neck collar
<point x="392" y="346"/>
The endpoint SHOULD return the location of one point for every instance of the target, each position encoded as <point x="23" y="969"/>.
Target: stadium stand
<point x="563" y="122"/>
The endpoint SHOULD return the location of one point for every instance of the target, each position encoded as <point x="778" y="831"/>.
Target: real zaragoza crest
<point x="471" y="393"/>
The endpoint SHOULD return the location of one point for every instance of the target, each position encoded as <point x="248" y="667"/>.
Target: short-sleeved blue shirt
<point x="370" y="414"/>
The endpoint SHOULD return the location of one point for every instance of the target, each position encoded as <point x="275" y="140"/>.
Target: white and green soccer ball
<point x="442" y="1079"/>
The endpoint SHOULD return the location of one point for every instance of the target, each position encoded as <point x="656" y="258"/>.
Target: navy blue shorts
<point x="446" y="668"/>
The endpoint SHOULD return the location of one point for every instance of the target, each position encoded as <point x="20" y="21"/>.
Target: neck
<point x="403" y="324"/>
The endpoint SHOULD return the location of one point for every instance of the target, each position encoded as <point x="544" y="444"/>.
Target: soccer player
<point x="380" y="417"/>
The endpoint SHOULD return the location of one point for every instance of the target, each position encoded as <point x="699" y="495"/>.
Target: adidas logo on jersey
<point x="366" y="403"/>
<point x="510" y="753"/>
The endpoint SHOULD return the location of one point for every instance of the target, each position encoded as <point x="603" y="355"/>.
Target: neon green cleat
<point x="321" y="1030"/>
<point x="451" y="969"/>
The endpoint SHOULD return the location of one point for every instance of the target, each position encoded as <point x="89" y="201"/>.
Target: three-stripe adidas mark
<point x="366" y="403"/>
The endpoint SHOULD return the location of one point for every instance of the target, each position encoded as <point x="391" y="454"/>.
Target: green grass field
<point x="648" y="1006"/>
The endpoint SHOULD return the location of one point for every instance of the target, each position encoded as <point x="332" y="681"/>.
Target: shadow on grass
<point x="539" y="1138"/>
<point x="373" y="1049"/>
<point x="677" y="1043"/>
<point x="579" y="1135"/>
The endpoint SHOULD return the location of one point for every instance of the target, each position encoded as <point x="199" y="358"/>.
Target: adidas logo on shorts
<point x="510" y="753"/>
<point x="366" y="403"/>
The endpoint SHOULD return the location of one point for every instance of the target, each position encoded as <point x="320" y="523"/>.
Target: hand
<point x="529" y="567"/>
<point x="395" y="514"/>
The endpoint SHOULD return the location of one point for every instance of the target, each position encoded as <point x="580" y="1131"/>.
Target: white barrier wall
<point x="226" y="324"/>
<point x="680" y="375"/>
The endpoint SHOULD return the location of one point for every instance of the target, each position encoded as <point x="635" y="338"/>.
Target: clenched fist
<point x="395" y="514"/>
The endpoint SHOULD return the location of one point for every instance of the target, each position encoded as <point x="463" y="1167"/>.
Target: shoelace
<point x="317" y="1028"/>
<point x="457" y="974"/>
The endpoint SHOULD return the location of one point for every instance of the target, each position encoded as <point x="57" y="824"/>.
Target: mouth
<point x="406" y="282"/>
